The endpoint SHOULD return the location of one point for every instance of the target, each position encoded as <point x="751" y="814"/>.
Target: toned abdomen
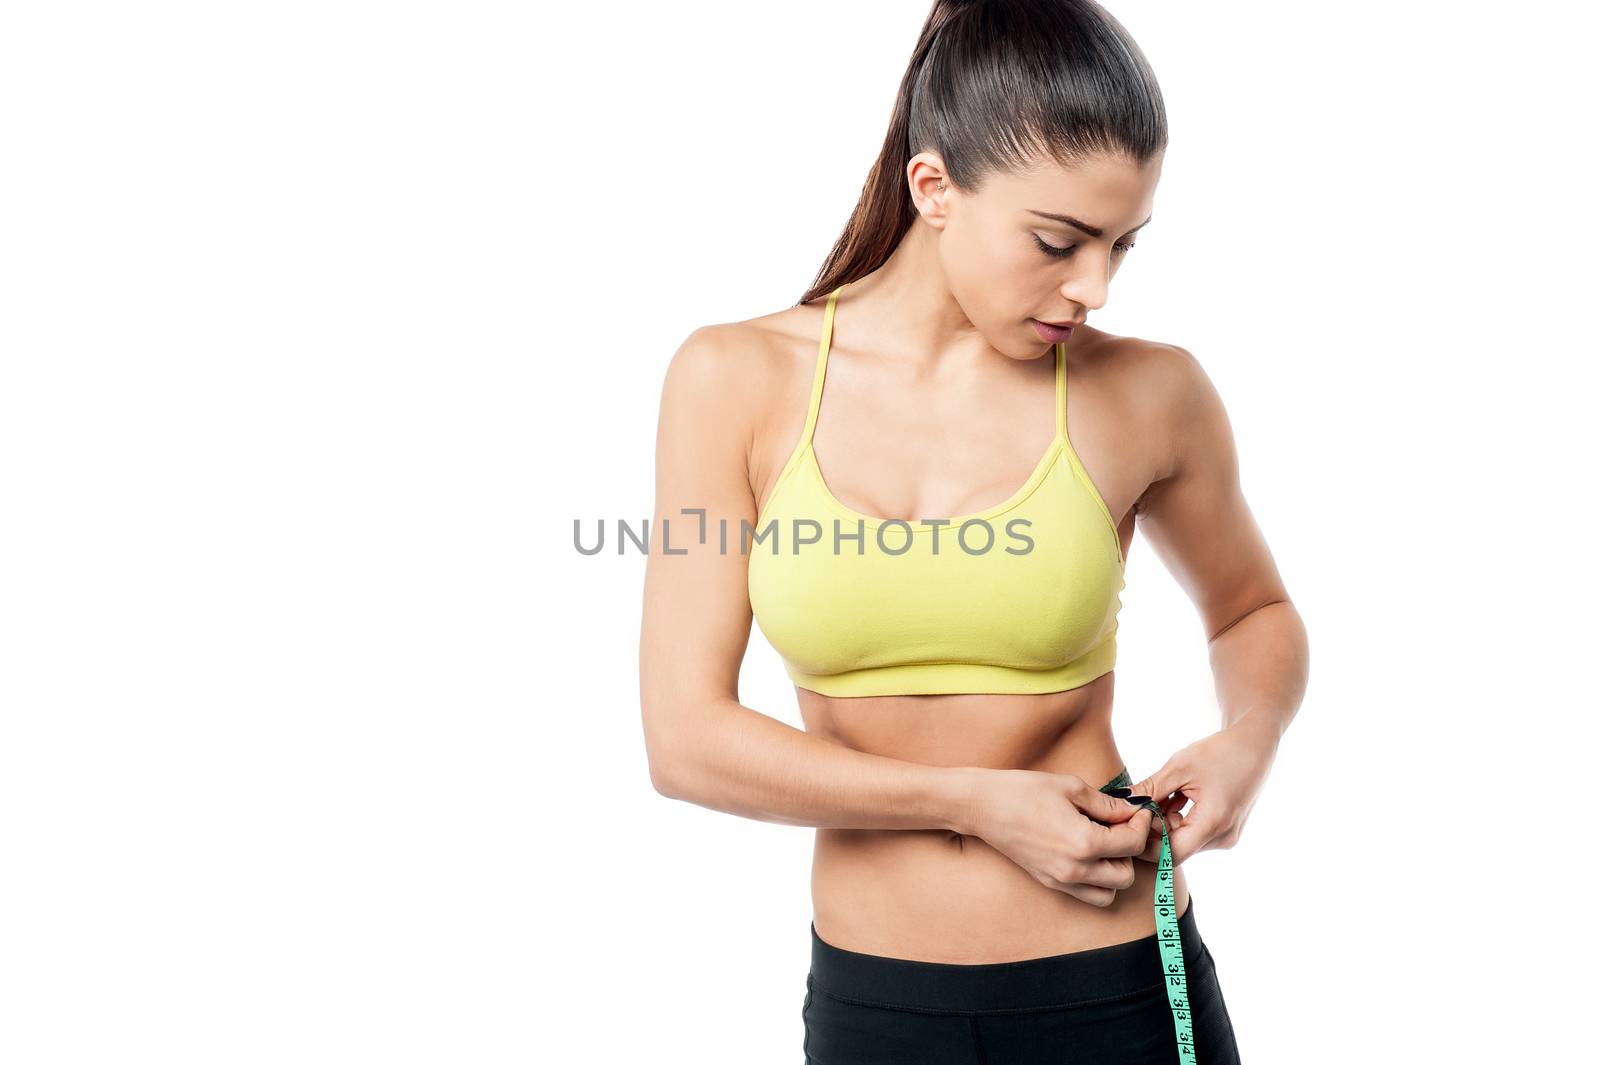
<point x="932" y="895"/>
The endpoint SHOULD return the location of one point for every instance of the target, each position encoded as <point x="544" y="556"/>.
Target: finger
<point x="1099" y="806"/>
<point x="1171" y="812"/>
<point x="1162" y="783"/>
<point x="1119" y="841"/>
<point x="1094" y="896"/>
<point x="1113" y="873"/>
<point x="1191" y="838"/>
<point x="1152" y="850"/>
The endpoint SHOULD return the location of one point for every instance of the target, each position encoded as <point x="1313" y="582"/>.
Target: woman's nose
<point x="1088" y="285"/>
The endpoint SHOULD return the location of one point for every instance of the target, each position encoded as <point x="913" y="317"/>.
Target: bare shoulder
<point x="1161" y="392"/>
<point x="711" y="383"/>
<point x="710" y="369"/>
<point x="737" y="365"/>
<point x="739" y="388"/>
<point x="1164" y="375"/>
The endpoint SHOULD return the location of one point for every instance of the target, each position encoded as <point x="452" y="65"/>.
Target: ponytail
<point x="990" y="85"/>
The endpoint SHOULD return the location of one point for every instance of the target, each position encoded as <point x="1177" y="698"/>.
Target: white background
<point x="322" y="322"/>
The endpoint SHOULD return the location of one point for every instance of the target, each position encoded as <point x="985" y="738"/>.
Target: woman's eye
<point x="1051" y="249"/>
<point x="1061" y="253"/>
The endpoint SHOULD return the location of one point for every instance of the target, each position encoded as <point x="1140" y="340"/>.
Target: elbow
<point x="663" y="746"/>
<point x="677" y="736"/>
<point x="661" y="777"/>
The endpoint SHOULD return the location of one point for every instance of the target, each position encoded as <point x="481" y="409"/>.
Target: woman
<point x="976" y="895"/>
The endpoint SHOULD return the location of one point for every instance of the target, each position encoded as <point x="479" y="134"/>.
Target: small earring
<point x="941" y="186"/>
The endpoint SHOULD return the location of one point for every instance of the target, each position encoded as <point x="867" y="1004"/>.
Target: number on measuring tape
<point x="1167" y="937"/>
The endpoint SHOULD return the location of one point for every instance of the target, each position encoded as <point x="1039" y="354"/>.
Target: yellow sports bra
<point x="1019" y="598"/>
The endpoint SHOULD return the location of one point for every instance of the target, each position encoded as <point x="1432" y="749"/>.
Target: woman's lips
<point x="1055" y="334"/>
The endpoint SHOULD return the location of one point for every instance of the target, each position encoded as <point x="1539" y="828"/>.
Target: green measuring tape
<point x="1167" y="932"/>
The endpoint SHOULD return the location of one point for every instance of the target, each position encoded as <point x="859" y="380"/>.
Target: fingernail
<point x="1137" y="800"/>
<point x="1121" y="793"/>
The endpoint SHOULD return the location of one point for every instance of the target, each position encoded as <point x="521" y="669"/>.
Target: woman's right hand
<point x="1069" y="836"/>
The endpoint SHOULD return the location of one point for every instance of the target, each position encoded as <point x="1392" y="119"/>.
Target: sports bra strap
<point x="822" y="366"/>
<point x="1061" y="389"/>
<point x="821" y="374"/>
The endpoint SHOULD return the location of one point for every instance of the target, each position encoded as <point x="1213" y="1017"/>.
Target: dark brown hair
<point x="992" y="86"/>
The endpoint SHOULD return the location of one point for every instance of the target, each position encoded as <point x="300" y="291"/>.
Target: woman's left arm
<point x="1199" y="525"/>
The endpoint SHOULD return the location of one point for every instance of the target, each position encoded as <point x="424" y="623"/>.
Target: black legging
<point x="1105" y="1006"/>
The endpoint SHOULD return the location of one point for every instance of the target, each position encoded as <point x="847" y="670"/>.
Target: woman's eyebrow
<point x="1093" y="231"/>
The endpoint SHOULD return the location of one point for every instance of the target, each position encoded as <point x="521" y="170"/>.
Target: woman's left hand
<point x="1222" y="774"/>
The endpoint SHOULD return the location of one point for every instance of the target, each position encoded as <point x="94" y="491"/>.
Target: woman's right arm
<point x="705" y="747"/>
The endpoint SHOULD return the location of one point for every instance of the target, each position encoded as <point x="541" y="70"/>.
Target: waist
<point x="935" y="896"/>
<point x="1119" y="969"/>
